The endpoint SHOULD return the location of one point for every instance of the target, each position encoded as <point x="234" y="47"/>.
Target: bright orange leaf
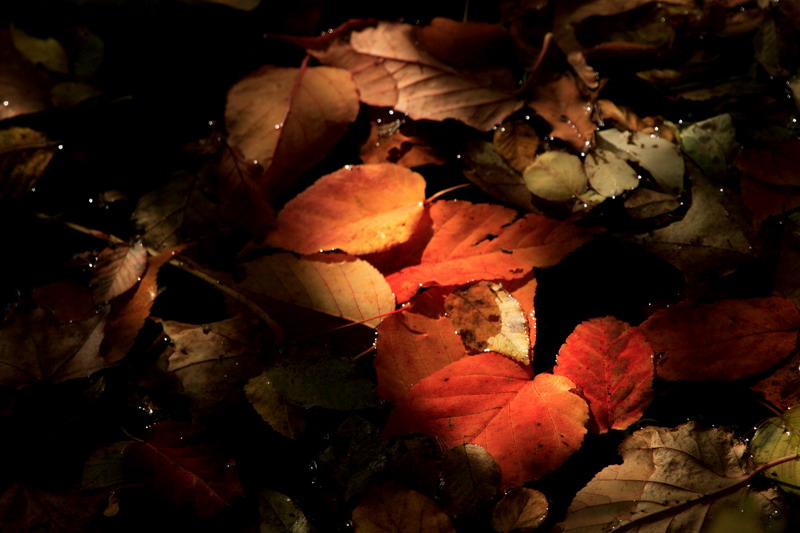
<point x="485" y="242"/>
<point x="359" y="209"/>
<point x="724" y="340"/>
<point x="612" y="364"/>
<point x="414" y="344"/>
<point x="530" y="427"/>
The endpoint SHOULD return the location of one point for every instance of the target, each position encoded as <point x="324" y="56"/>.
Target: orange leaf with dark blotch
<point x="53" y="338"/>
<point x="391" y="70"/>
<point x="612" y="364"/>
<point x="722" y="341"/>
<point x="776" y="165"/>
<point x="183" y="467"/>
<point x="287" y="119"/>
<point x="118" y="269"/>
<point x="390" y="508"/>
<point x="386" y="144"/>
<point x="530" y="427"/>
<point x="335" y="284"/>
<point x="414" y="344"/>
<point x="485" y="242"/>
<point x="129" y="313"/>
<point x="567" y="111"/>
<point x="359" y="209"/>
<point x="488" y="318"/>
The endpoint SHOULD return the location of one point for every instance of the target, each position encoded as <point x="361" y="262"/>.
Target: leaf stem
<point x="445" y="191"/>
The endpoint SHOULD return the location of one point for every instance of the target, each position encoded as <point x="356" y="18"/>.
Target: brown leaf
<point x="117" y="269"/>
<point x="670" y="479"/>
<point x="521" y="510"/>
<point x="25" y="507"/>
<point x="764" y="200"/>
<point x="486" y="168"/>
<point x="470" y="478"/>
<point x="24" y="156"/>
<point x="724" y="340"/>
<point x="386" y="144"/>
<point x="568" y="112"/>
<point x="287" y="119"/>
<point x="359" y="209"/>
<point x="390" y="70"/>
<point x="782" y="386"/>
<point x="466" y="45"/>
<point x="517" y="142"/>
<point x="282" y="416"/>
<point x="392" y="509"/>
<point x="23" y="87"/>
<point x="488" y="318"/>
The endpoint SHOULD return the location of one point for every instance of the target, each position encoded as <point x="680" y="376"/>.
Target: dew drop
<point x="60" y="146"/>
<point x="5" y="103"/>
<point x="278" y="126"/>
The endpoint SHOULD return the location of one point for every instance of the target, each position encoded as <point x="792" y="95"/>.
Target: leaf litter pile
<point x="525" y="265"/>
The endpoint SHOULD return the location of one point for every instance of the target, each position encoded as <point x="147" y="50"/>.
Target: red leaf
<point x="530" y="427"/>
<point x="359" y="209"/>
<point x="117" y="270"/>
<point x="391" y="70"/>
<point x="484" y="242"/>
<point x="393" y="509"/>
<point x="724" y="340"/>
<point x="776" y="165"/>
<point x="414" y="344"/>
<point x="185" y="469"/>
<point x="287" y="119"/>
<point x="567" y="111"/>
<point x="612" y="364"/>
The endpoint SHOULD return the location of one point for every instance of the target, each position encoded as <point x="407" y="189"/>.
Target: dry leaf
<point x="517" y="142"/>
<point x="661" y="158"/>
<point x="486" y="168"/>
<point x="609" y="174"/>
<point x="117" y="269"/>
<point x="556" y="176"/>
<point x="386" y="144"/>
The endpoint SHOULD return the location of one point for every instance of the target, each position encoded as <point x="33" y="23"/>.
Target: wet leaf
<point x="609" y="174"/>
<point x="484" y="242"/>
<point x="556" y="176"/>
<point x="517" y="142"/>
<point x="612" y="365"/>
<point x="782" y="386"/>
<point x="775" y="164"/>
<point x="386" y="144"/>
<point x="777" y="437"/>
<point x="568" y="112"/>
<point x="711" y="143"/>
<point x="25" y="507"/>
<point x="521" y="510"/>
<point x="363" y="209"/>
<point x="530" y="427"/>
<point x="117" y="269"/>
<point x="391" y="70"/>
<point x="765" y="201"/>
<point x="279" y="514"/>
<point x="105" y="468"/>
<point x="181" y="466"/>
<point x="286" y="119"/>
<point x="392" y="509"/>
<point x="47" y="52"/>
<point x="24" y="156"/>
<point x="283" y="417"/>
<point x="414" y="344"/>
<point x="488" y="318"/>
<point x="646" y="203"/>
<point x="670" y="478"/>
<point x="661" y="158"/>
<point x="486" y="168"/>
<point x="470" y="478"/>
<point x="724" y="340"/>
<point x="334" y="284"/>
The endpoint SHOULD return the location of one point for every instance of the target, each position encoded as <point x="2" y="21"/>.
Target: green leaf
<point x="775" y="438"/>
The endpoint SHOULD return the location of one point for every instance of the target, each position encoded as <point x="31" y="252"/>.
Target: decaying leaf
<point x="279" y="514"/>
<point x="489" y="319"/>
<point x="363" y="209"/>
<point x="568" y="112"/>
<point x="661" y="158"/>
<point x="556" y="176"/>
<point x="724" y="340"/>
<point x="609" y="174"/>
<point x="775" y="438"/>
<point x="670" y="478"/>
<point x="414" y="344"/>
<point x="521" y="510"/>
<point x="530" y="427"/>
<point x="612" y="364"/>
<point x="286" y="119"/>
<point x="517" y="142"/>
<point x="117" y="269"/>
<point x="390" y="508"/>
<point x="470" y="478"/>
<point x="646" y="203"/>
<point x="24" y="156"/>
<point x="282" y="416"/>
<point x="711" y="143"/>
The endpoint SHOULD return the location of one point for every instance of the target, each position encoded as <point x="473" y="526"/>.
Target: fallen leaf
<point x="363" y="209"/>
<point x="489" y="319"/>
<point x="568" y="112"/>
<point x="670" y="479"/>
<point x="414" y="344"/>
<point x="765" y="201"/>
<point x="391" y="70"/>
<point x="609" y="174"/>
<point x="786" y="282"/>
<point x="117" y="269"/>
<point x="46" y="52"/>
<point x="724" y="340"/>
<point x="282" y="416"/>
<point x="775" y="438"/>
<point x="25" y="507"/>
<point x="24" y="156"/>
<point x="279" y="514"/>
<point x="517" y="142"/>
<point x="105" y="467"/>
<point x="521" y="510"/>
<point x="782" y="386"/>
<point x="23" y="86"/>
<point x="392" y="509"/>
<point x="179" y="465"/>
<point x="612" y="365"/>
<point x="470" y="478"/>
<point x="530" y="427"/>
<point x="661" y="158"/>
<point x="774" y="165"/>
<point x="334" y="284"/>
<point x="485" y="242"/>
<point x="466" y="45"/>
<point x="486" y="168"/>
<point x="287" y="119"/>
<point x="386" y="144"/>
<point x="524" y="291"/>
<point x="646" y="203"/>
<point x="556" y="176"/>
<point x="587" y="74"/>
<point x="711" y="143"/>
<point x="213" y="361"/>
